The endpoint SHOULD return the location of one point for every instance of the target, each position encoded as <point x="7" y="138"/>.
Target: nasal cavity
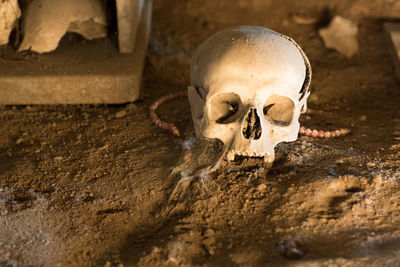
<point x="251" y="125"/>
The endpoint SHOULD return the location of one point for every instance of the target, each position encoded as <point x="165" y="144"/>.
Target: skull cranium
<point x="248" y="88"/>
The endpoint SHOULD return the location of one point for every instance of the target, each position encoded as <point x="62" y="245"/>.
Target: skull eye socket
<point x="279" y="110"/>
<point x="225" y="108"/>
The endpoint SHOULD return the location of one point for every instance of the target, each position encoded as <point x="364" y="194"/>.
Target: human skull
<point x="249" y="86"/>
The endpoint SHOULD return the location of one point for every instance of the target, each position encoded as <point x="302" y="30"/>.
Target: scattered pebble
<point x="19" y="141"/>
<point x="395" y="147"/>
<point x="120" y="114"/>
<point x="105" y="147"/>
<point x="58" y="158"/>
<point x="209" y="232"/>
<point x="304" y="19"/>
<point x="363" y="118"/>
<point x="341" y="35"/>
<point x="371" y="164"/>
<point x="211" y="251"/>
<point x="397" y="138"/>
<point x="339" y="161"/>
<point x="262" y="187"/>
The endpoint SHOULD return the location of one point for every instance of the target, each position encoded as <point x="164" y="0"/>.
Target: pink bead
<point x="321" y="134"/>
<point x="314" y="133"/>
<point x="328" y="134"/>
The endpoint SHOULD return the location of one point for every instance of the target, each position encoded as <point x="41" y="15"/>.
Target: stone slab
<point x="78" y="72"/>
<point x="393" y="31"/>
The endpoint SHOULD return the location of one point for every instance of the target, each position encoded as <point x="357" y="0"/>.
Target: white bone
<point x="234" y="75"/>
<point x="46" y="21"/>
<point x="9" y="14"/>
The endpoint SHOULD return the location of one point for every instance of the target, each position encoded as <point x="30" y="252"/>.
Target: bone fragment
<point x="46" y="21"/>
<point x="9" y="14"/>
<point x="341" y="35"/>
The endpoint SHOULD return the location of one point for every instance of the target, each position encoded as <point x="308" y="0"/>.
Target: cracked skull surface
<point x="249" y="86"/>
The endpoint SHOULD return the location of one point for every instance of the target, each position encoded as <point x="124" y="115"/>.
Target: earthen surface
<point x="94" y="185"/>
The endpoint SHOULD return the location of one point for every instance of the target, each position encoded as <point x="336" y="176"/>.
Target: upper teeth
<point x="231" y="154"/>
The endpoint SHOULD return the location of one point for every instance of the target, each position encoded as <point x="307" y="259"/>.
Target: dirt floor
<point x="97" y="185"/>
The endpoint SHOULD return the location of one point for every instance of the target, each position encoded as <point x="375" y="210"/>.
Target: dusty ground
<point x="93" y="185"/>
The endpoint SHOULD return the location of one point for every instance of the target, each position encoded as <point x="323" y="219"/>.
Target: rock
<point x="261" y="187"/>
<point x="304" y="19"/>
<point x="395" y="147"/>
<point x="371" y="164"/>
<point x="363" y="118"/>
<point x="9" y="14"/>
<point x="120" y="114"/>
<point x="341" y="35"/>
<point x="46" y="21"/>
